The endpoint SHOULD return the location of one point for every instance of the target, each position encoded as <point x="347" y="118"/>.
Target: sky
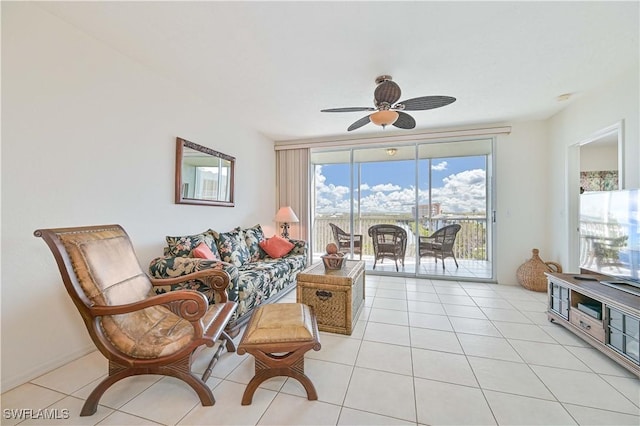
<point x="457" y="183"/>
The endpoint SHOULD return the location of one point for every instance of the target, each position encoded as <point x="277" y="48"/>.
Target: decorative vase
<point x="531" y="273"/>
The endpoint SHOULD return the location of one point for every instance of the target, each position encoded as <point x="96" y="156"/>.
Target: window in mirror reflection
<point x="205" y="176"/>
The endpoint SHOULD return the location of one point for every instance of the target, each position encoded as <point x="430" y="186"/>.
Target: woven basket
<point x="531" y="274"/>
<point x="332" y="262"/>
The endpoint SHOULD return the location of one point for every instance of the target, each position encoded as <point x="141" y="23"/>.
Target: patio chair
<point x="389" y="241"/>
<point x="137" y="331"/>
<point x="343" y="241"/>
<point x="440" y="243"/>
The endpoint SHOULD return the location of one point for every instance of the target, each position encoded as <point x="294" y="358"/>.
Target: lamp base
<point x="285" y="230"/>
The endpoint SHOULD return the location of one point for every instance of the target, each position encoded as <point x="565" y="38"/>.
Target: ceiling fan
<point x="387" y="111"/>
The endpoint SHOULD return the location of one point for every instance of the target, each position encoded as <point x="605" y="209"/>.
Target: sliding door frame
<point x="355" y="176"/>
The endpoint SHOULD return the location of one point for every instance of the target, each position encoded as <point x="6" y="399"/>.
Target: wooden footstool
<point x="278" y="335"/>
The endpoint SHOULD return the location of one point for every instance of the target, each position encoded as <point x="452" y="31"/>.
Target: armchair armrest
<point x="217" y="279"/>
<point x="188" y="304"/>
<point x="177" y="266"/>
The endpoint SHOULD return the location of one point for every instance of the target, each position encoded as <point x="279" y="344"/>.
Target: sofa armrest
<point x="299" y="247"/>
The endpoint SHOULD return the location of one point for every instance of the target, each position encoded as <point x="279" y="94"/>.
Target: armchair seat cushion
<point x="153" y="332"/>
<point x="149" y="333"/>
<point x="431" y="246"/>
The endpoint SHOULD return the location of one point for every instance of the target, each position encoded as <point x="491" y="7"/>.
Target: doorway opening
<point x="594" y="164"/>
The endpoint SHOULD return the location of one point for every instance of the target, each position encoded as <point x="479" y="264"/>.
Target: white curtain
<point x="293" y="187"/>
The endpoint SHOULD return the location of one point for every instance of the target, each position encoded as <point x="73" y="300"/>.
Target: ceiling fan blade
<point x="426" y="102"/>
<point x="405" y="121"/>
<point x="359" y="123"/>
<point x="348" y="109"/>
<point x="387" y="91"/>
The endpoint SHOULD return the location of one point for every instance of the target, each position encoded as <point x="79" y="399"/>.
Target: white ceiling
<point x="275" y="65"/>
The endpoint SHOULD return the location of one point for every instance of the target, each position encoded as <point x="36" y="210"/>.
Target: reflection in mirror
<point x="203" y="176"/>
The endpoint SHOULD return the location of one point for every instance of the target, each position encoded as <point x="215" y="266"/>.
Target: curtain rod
<point x="385" y="140"/>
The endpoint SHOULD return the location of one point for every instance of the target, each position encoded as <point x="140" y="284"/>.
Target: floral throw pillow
<point x="233" y="247"/>
<point x="182" y="246"/>
<point x="252" y="237"/>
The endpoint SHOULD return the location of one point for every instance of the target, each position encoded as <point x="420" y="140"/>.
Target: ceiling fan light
<point x="384" y="118"/>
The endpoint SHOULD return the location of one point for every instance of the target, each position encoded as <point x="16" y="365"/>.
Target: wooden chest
<point x="337" y="296"/>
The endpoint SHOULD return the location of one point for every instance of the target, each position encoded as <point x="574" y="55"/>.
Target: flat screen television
<point x="610" y="235"/>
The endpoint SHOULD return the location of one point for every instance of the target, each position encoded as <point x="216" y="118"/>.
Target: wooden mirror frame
<point x="181" y="144"/>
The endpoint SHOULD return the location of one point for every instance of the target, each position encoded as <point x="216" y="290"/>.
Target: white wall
<point x="522" y="186"/>
<point x="88" y="137"/>
<point x="614" y="102"/>
<point x="598" y="157"/>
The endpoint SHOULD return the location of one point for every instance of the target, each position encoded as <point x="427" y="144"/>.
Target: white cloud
<point x="385" y="187"/>
<point x="330" y="198"/>
<point x="440" y="166"/>
<point x="319" y="177"/>
<point x="463" y="192"/>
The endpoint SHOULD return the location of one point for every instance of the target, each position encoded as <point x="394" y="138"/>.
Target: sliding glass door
<point x="453" y="186"/>
<point x="417" y="189"/>
<point x="386" y="195"/>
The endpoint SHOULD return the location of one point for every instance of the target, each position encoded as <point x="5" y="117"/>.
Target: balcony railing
<point x="471" y="241"/>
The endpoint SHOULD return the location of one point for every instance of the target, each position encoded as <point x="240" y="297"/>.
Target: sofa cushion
<point x="276" y="246"/>
<point x="183" y="245"/>
<point x="232" y="247"/>
<point x="296" y="262"/>
<point x="252" y="237"/>
<point x="275" y="268"/>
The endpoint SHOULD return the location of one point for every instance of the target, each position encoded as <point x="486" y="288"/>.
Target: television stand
<point x="623" y="286"/>
<point x="604" y="315"/>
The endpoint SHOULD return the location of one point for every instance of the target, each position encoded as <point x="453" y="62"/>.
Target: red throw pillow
<point x="203" y="251"/>
<point x="276" y="246"/>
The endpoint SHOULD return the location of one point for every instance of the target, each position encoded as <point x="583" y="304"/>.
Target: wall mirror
<point x="203" y="176"/>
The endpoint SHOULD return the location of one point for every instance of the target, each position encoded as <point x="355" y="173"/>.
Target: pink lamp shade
<point x="286" y="215"/>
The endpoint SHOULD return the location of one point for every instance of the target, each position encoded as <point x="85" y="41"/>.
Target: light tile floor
<point x="425" y="352"/>
<point x="427" y="267"/>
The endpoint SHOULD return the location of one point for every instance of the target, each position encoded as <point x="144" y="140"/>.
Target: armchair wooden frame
<point x="343" y="240"/>
<point x="208" y="321"/>
<point x="440" y="243"/>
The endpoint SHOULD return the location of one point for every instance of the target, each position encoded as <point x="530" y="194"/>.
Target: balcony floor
<point x="467" y="269"/>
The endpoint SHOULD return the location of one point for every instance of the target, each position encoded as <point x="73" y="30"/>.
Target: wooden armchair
<point x="343" y="241"/>
<point x="389" y="241"/>
<point x="137" y="331"/>
<point x="440" y="243"/>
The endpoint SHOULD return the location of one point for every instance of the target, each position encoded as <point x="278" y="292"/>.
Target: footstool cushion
<point x="278" y="336"/>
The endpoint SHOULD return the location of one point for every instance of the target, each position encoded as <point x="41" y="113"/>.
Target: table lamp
<point x="286" y="216"/>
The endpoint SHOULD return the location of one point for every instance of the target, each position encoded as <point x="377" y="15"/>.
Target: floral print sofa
<point x="255" y="277"/>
